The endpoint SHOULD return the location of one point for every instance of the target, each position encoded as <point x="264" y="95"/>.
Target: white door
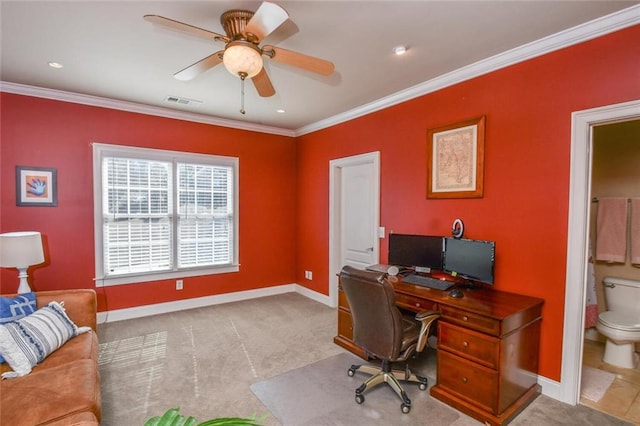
<point x="357" y="216"/>
<point x="354" y="215"/>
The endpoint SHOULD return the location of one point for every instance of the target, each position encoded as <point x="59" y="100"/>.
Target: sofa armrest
<point x="81" y="305"/>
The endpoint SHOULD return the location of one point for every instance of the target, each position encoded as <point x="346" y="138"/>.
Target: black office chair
<point x="383" y="332"/>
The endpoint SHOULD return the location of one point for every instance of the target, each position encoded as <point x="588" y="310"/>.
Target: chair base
<point x="392" y="377"/>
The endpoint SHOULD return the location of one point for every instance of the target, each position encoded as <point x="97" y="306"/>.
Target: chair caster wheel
<point x="405" y="408"/>
<point x="423" y="383"/>
<point x="359" y="399"/>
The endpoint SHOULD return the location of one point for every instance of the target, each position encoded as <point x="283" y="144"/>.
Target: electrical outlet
<point x="308" y="275"/>
<point x="179" y="284"/>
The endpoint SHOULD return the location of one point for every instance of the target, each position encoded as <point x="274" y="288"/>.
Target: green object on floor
<point x="173" y="418"/>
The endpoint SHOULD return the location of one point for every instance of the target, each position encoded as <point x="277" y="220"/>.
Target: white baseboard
<point x="199" y="302"/>
<point x="550" y="388"/>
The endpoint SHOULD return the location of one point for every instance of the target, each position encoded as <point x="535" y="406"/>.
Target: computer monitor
<point x="419" y="251"/>
<point x="470" y="259"/>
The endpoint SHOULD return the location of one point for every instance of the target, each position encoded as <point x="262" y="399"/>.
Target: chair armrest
<point x="427" y="320"/>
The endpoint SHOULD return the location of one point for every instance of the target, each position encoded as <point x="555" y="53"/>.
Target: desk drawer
<point x="474" y="346"/>
<point x="469" y="381"/>
<point x="414" y="304"/>
<point x="342" y="300"/>
<point x="345" y="324"/>
<point x="470" y="320"/>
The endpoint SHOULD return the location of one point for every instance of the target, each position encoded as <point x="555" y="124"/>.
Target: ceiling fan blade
<point x="266" y="19"/>
<point x="309" y="63"/>
<point x="282" y="33"/>
<point x="192" y="71"/>
<point x="185" y="28"/>
<point x="263" y="85"/>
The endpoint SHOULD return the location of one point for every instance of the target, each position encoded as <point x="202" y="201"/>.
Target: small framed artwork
<point x="455" y="160"/>
<point x="36" y="186"/>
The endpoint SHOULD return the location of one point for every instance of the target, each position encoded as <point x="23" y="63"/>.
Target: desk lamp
<point x="21" y="250"/>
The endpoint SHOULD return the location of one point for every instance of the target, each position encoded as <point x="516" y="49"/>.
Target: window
<point x="162" y="214"/>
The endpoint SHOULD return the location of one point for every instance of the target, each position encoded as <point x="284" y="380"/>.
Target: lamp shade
<point x="21" y="249"/>
<point x="242" y="57"/>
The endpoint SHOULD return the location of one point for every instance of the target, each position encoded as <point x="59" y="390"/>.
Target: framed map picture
<point x="455" y="160"/>
<point x="36" y="186"/>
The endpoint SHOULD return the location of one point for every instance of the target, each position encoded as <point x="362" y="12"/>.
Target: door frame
<point x="578" y="232"/>
<point x="335" y="229"/>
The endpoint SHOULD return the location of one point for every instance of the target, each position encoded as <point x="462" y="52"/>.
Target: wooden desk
<point x="488" y="343"/>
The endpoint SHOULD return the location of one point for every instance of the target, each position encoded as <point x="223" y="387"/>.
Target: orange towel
<point x="635" y="231"/>
<point x="611" y="232"/>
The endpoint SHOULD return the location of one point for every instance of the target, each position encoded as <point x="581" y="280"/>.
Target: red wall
<point x="39" y="132"/>
<point x="528" y="110"/>
<point x="284" y="182"/>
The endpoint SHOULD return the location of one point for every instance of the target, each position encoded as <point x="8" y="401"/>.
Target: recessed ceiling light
<point x="55" y="65"/>
<point x="400" y="50"/>
<point x="280" y="111"/>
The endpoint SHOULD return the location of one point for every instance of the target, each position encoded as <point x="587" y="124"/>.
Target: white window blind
<point x="205" y="229"/>
<point x="164" y="212"/>
<point x="137" y="215"/>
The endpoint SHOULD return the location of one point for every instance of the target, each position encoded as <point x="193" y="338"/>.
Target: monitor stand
<point x="470" y="285"/>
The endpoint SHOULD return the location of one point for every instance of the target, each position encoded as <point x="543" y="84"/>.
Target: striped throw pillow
<point x="28" y="341"/>
<point x="14" y="308"/>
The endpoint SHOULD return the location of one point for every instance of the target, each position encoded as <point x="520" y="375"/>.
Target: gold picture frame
<point x="455" y="160"/>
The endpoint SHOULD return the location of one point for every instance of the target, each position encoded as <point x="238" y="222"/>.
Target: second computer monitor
<point x="422" y="251"/>
<point x="470" y="259"/>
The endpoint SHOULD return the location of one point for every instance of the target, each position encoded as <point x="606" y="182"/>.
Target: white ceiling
<point x="109" y="51"/>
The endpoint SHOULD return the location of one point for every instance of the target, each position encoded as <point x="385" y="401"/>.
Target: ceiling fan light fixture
<point x="242" y="57"/>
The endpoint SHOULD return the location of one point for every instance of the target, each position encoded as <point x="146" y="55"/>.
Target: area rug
<point x="595" y="383"/>
<point x="323" y="394"/>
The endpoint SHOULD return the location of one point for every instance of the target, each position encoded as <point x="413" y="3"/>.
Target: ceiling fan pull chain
<point x="242" y="75"/>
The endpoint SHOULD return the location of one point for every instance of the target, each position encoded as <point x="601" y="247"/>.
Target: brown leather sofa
<point x="65" y="388"/>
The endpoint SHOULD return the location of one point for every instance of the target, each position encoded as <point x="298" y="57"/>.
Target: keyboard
<point x="428" y="282"/>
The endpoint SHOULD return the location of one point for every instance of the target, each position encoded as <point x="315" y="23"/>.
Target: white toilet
<point x="620" y="324"/>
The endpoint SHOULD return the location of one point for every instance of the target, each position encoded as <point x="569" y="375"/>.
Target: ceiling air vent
<point x="182" y="101"/>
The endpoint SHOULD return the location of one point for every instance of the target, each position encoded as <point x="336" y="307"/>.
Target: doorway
<point x="354" y="215"/>
<point x="615" y="172"/>
<point x="577" y="245"/>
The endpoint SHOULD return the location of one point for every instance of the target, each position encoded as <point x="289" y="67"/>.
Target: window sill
<point x="133" y="279"/>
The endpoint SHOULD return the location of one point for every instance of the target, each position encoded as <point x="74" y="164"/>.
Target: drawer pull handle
<point x="417" y="305"/>
<point x="464" y="380"/>
<point x="465" y="318"/>
<point x="465" y="344"/>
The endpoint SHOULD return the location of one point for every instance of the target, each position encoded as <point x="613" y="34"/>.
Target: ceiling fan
<point x="242" y="54"/>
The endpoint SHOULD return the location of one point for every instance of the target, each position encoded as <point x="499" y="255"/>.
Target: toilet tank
<point x="622" y="294"/>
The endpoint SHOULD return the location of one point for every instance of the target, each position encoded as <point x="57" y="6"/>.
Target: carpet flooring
<point x="241" y="358"/>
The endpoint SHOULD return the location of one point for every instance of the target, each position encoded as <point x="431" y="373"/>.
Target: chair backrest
<point x="377" y="322"/>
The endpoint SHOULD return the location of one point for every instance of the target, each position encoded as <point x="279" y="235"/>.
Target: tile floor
<point x="622" y="399"/>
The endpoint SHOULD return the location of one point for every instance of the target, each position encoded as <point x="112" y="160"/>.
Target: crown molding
<point x="78" y="98"/>
<point x="581" y="33"/>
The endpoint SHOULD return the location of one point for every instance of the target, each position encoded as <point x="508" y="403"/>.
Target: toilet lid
<point x="620" y="320"/>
